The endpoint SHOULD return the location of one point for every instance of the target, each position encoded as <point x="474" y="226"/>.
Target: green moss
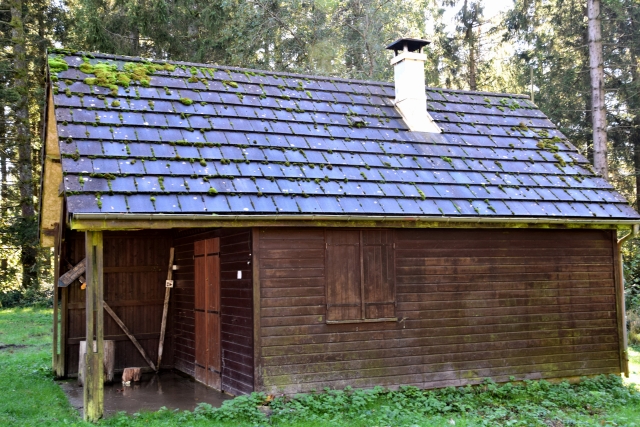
<point x="560" y="160"/>
<point x="230" y="83"/>
<point x="86" y="67"/>
<point x="186" y="101"/>
<point x="549" y="144"/>
<point x="108" y="75"/>
<point x="57" y="64"/>
<point x="212" y="191"/>
<point x="115" y="103"/>
<point x="448" y="160"/>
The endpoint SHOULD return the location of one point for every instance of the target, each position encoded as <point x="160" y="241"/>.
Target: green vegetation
<point x="57" y="64"/>
<point x="230" y="83"/>
<point x="186" y="101"/>
<point x="448" y="160"/>
<point x="549" y="144"/>
<point x="31" y="397"/>
<point x="108" y="75"/>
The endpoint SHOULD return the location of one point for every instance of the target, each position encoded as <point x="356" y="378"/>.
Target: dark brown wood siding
<point x="236" y="304"/>
<point x="471" y="304"/>
<point x="135" y="270"/>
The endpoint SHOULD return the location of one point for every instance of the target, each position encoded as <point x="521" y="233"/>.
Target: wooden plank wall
<point x="236" y="306"/>
<point x="471" y="304"/>
<point x="135" y="264"/>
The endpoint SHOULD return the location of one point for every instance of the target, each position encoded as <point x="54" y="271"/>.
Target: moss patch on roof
<point x="110" y="75"/>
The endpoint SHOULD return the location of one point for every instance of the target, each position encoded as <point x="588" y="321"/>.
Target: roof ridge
<point x="279" y="73"/>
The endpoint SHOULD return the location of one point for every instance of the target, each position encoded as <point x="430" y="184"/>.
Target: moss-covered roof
<point x="150" y="137"/>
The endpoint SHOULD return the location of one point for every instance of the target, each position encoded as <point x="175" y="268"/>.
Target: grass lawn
<point x="634" y="366"/>
<point x="29" y="396"/>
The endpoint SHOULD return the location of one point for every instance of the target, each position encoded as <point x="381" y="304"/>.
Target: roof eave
<point x="120" y="221"/>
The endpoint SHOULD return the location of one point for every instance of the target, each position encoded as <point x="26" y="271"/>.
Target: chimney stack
<point x="411" y="98"/>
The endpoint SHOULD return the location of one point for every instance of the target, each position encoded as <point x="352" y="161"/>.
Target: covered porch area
<point x="173" y="301"/>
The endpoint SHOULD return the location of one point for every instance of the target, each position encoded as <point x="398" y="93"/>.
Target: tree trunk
<point x="23" y="142"/>
<point x="632" y="100"/>
<point x="586" y="83"/>
<point x="635" y="141"/>
<point x="4" y="193"/>
<point x="470" y="15"/>
<point x="4" y="187"/>
<point x="473" y="84"/>
<point x="598" y="110"/>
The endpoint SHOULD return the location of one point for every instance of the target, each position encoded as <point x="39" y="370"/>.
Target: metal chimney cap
<point x="411" y="45"/>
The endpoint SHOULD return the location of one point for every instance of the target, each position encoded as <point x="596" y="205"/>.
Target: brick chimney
<point x="411" y="99"/>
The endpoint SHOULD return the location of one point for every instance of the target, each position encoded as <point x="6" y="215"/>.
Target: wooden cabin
<point x="325" y="232"/>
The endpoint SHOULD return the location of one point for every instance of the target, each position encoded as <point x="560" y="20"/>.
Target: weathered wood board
<point x="471" y="304"/>
<point x="135" y="269"/>
<point x="236" y="306"/>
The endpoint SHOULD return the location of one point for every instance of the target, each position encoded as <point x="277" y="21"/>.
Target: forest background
<point x="535" y="47"/>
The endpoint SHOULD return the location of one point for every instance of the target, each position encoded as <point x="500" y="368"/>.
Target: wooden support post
<point x="58" y="367"/>
<point x="93" y="396"/>
<point x="128" y="333"/>
<point x="620" y="306"/>
<point x="61" y="370"/>
<point x="64" y="333"/>
<point x="167" y="295"/>
<point x="56" y="323"/>
<point x="109" y="360"/>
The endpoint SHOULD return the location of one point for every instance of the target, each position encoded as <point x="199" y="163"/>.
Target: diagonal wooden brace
<point x="129" y="334"/>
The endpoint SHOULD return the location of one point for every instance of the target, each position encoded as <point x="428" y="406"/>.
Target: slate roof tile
<point x="289" y="145"/>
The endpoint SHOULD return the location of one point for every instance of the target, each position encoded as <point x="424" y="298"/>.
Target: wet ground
<point x="154" y="391"/>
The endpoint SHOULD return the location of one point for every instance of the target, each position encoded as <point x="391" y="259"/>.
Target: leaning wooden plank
<point x="167" y="294"/>
<point x="67" y="278"/>
<point x="129" y="334"/>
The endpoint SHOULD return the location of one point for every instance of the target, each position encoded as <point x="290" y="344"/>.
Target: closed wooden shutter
<point x="378" y="269"/>
<point x="342" y="266"/>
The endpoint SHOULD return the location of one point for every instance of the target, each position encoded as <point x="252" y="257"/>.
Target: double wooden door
<point x="207" y="311"/>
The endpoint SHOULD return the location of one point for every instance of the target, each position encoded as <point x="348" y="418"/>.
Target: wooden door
<point x="207" y="311"/>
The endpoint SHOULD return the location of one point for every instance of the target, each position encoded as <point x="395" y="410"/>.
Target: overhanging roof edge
<point x="78" y="218"/>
